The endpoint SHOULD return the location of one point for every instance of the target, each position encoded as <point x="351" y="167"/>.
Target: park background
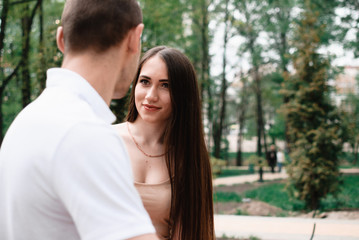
<point x="282" y="72"/>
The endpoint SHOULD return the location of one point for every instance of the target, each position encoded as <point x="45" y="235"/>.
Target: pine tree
<point x="313" y="124"/>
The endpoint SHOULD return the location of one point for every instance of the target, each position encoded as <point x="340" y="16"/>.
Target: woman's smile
<point x="151" y="108"/>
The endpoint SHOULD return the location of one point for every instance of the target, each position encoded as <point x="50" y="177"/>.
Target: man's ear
<point x="134" y="39"/>
<point x="60" y="39"/>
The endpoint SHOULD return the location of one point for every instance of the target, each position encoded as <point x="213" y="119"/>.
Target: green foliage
<point x="272" y="101"/>
<point x="185" y="25"/>
<point x="217" y="165"/>
<point x="163" y="23"/>
<point x="245" y="155"/>
<point x="350" y="22"/>
<point x="241" y="212"/>
<point x="278" y="19"/>
<point x="348" y="196"/>
<point x="225" y="237"/>
<point x="228" y="172"/>
<point x="275" y="194"/>
<point x="257" y="161"/>
<point x="41" y="57"/>
<point x="350" y="123"/>
<point x="226" y="197"/>
<point x="313" y="122"/>
<point x="12" y="104"/>
<point x="348" y="160"/>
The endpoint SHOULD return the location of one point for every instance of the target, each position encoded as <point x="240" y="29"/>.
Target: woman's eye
<point x="144" y="82"/>
<point x="165" y="85"/>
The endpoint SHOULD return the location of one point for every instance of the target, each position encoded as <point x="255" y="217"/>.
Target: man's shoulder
<point x="91" y="135"/>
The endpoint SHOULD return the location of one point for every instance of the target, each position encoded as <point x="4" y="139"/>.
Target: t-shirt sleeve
<point x="93" y="179"/>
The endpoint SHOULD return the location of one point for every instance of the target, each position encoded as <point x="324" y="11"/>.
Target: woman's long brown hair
<point x="187" y="158"/>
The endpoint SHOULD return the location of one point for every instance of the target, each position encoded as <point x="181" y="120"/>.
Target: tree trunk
<point x="204" y="45"/>
<point x="26" y="31"/>
<point x="219" y="127"/>
<point x="264" y="136"/>
<point x="355" y="150"/>
<point x="205" y="84"/>
<point x="42" y="68"/>
<point x="25" y="72"/>
<point x="1" y="120"/>
<point x="2" y="89"/>
<point x="284" y="62"/>
<point x="4" y="13"/>
<point x="201" y="61"/>
<point x="259" y="119"/>
<point x="241" y="121"/>
<point x="259" y="112"/>
<point x="26" y="24"/>
<point x="241" y="118"/>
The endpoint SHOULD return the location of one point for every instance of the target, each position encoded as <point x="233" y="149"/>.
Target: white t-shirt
<point x="64" y="171"/>
<point x="280" y="157"/>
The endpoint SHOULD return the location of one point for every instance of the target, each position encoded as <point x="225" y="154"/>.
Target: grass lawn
<point x="228" y="172"/>
<point x="275" y="194"/>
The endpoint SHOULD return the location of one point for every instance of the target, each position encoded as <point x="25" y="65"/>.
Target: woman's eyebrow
<point x="144" y="76"/>
<point x="149" y="78"/>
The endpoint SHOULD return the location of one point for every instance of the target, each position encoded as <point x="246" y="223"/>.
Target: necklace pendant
<point x="140" y="148"/>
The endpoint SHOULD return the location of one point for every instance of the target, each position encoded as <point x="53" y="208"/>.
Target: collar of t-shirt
<point x="61" y="77"/>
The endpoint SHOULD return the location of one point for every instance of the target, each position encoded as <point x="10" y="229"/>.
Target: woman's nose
<point x="152" y="94"/>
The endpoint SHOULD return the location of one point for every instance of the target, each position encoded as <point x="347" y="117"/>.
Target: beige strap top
<point x="157" y="201"/>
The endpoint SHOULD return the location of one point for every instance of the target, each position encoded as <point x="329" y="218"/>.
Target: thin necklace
<point x="139" y="147"/>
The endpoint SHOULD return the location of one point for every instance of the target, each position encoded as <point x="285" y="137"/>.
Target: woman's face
<point x="152" y="95"/>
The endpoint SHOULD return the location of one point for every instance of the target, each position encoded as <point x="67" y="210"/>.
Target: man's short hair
<point x="98" y="24"/>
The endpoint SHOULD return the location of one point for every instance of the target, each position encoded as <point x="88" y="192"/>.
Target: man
<point x="64" y="172"/>
<point x="272" y="157"/>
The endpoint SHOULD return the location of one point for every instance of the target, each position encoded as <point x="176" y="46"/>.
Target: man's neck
<point x="101" y="71"/>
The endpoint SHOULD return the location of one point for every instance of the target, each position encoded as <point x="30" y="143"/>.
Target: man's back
<point x="54" y="178"/>
<point x="25" y="171"/>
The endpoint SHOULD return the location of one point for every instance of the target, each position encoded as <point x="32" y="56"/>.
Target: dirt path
<point x="258" y="208"/>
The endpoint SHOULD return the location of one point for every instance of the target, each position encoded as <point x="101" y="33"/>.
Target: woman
<point x="164" y="136"/>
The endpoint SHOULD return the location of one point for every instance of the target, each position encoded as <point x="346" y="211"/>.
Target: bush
<point x="217" y="165"/>
<point x="348" y="196"/>
<point x="256" y="161"/>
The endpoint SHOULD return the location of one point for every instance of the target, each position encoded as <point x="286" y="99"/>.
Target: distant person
<point x="165" y="139"/>
<point x="64" y="171"/>
<point x="280" y="159"/>
<point x="272" y="158"/>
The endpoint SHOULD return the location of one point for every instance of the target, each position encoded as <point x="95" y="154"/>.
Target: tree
<point x="198" y="38"/>
<point x="23" y="65"/>
<point x="272" y="101"/>
<point x="242" y="112"/>
<point x="313" y="123"/>
<point x="219" y="123"/>
<point x="3" y="81"/>
<point x="350" y="22"/>
<point x="163" y="22"/>
<point x="350" y="121"/>
<point x="279" y="18"/>
<point x="249" y="28"/>
<point x="20" y="36"/>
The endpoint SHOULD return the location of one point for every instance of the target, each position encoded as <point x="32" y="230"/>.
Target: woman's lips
<point x="151" y="107"/>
